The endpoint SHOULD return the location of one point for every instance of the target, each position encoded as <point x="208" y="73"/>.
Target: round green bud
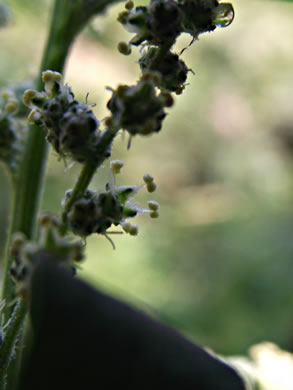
<point x="133" y="231"/>
<point x="130" y="228"/>
<point x="48" y="76"/>
<point x="151" y="187"/>
<point x="124" y="48"/>
<point x="129" y="4"/>
<point x="11" y="106"/>
<point x="28" y="95"/>
<point x="126" y="226"/>
<point x="116" y="166"/>
<point x="153" y="205"/>
<point x="154" y="214"/>
<point x="5" y="95"/>
<point x="34" y="116"/>
<point x="148" y="178"/>
<point x="123" y="16"/>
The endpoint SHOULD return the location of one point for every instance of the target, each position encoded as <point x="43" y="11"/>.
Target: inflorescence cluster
<point x="26" y="254"/>
<point x="73" y="130"/>
<point x="96" y="212"/>
<point x="75" y="133"/>
<point x="158" y="25"/>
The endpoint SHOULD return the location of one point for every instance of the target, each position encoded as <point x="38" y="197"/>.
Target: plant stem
<point x="87" y="173"/>
<point x="28" y="184"/>
<point x="11" y="336"/>
<point x="81" y="185"/>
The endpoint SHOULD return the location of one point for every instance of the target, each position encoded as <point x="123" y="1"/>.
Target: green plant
<point x="41" y="257"/>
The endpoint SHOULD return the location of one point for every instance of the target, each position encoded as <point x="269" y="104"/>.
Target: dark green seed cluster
<point x="159" y="23"/>
<point x="72" y="128"/>
<point x="94" y="213"/>
<point x="162" y="21"/>
<point x="198" y="16"/>
<point x="97" y="212"/>
<point x="173" y="71"/>
<point x="138" y="109"/>
<point x="156" y="28"/>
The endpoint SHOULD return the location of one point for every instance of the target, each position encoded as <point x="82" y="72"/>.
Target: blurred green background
<point x="218" y="263"/>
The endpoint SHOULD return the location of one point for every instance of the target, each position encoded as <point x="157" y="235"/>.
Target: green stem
<point x="87" y="173"/>
<point x="28" y="185"/>
<point x="11" y="336"/>
<point x="81" y="185"/>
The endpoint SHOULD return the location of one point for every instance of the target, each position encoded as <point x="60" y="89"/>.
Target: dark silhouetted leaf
<point x="84" y="339"/>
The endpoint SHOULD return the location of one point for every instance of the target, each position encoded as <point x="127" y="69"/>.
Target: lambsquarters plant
<point x="77" y="337"/>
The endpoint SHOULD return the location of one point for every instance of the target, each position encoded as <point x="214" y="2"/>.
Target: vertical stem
<point x="28" y="184"/>
<point x="81" y="185"/>
<point x="28" y="187"/>
<point x="88" y="172"/>
<point x="10" y="340"/>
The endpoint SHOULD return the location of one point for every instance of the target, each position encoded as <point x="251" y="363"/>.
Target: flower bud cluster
<point x="157" y="27"/>
<point x="162" y="21"/>
<point x="11" y="134"/>
<point x="172" y="70"/>
<point x="26" y="254"/>
<point x="159" y="23"/>
<point x="96" y="212"/>
<point x="72" y="126"/>
<point x="139" y="109"/>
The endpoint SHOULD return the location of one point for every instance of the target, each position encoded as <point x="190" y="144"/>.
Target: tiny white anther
<point x="148" y="178"/>
<point x="154" y="214"/>
<point x="34" y="116"/>
<point x="153" y="205"/>
<point x="11" y="106"/>
<point x="28" y="95"/>
<point x="116" y="166"/>
<point x="151" y="187"/>
<point x="48" y="76"/>
<point x="133" y="230"/>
